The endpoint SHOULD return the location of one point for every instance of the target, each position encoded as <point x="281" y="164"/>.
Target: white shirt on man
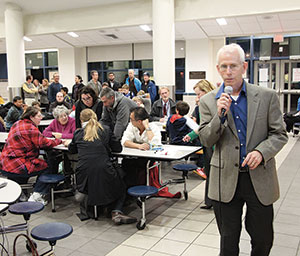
<point x="133" y="134"/>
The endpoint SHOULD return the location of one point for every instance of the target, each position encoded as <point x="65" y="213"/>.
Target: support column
<point x="15" y="50"/>
<point x="163" y="27"/>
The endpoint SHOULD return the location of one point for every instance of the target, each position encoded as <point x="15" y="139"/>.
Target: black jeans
<point x="258" y="220"/>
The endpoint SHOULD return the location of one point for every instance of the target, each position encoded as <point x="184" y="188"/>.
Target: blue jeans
<point x="23" y="178"/>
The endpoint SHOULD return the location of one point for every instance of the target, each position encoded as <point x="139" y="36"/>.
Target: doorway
<point x="282" y="76"/>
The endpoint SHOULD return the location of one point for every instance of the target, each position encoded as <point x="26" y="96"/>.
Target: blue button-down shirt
<point x="238" y="109"/>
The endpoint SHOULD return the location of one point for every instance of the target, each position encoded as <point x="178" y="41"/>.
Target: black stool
<point x="25" y="209"/>
<point x="185" y="169"/>
<point x="51" y="232"/>
<point x="141" y="192"/>
<point x="53" y="180"/>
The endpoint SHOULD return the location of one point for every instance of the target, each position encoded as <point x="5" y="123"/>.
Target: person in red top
<point x="20" y="156"/>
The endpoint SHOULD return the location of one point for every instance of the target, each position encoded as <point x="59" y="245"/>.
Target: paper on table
<point x="191" y="123"/>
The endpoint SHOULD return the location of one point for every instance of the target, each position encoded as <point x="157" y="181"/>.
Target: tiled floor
<point x="175" y="227"/>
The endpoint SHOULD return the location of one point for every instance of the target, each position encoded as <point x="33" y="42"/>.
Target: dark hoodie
<point x="177" y="129"/>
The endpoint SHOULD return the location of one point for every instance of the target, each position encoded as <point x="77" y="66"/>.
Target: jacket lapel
<point x="231" y="124"/>
<point x="252" y="108"/>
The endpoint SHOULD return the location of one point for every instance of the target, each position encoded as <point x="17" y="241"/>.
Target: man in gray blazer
<point x="247" y="136"/>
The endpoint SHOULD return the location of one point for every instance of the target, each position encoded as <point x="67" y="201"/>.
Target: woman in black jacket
<point x="96" y="176"/>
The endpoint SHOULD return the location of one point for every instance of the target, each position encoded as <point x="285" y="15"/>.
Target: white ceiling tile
<point x="246" y="19"/>
<point x="190" y="30"/>
<point x="268" y="18"/>
<point x="289" y="15"/>
<point x="210" y="22"/>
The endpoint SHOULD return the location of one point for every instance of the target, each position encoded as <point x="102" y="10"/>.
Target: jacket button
<point x="236" y="147"/>
<point x="236" y="165"/>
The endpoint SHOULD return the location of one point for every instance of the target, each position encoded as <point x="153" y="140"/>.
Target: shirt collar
<point x="221" y="90"/>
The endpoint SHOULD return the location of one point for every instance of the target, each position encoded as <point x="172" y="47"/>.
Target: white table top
<point x="169" y="152"/>
<point x="10" y="193"/>
<point x="3" y="137"/>
<point x="45" y="122"/>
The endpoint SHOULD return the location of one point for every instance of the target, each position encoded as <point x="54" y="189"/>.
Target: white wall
<point x="199" y="54"/>
<point x="66" y="66"/>
<point x="81" y="63"/>
<point x="109" y="53"/>
<point x="217" y="44"/>
<point x="142" y="51"/>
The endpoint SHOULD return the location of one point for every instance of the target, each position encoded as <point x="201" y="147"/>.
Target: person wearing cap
<point x="149" y="86"/>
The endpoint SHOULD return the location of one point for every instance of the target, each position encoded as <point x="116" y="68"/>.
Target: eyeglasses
<point x="232" y="67"/>
<point x="86" y="99"/>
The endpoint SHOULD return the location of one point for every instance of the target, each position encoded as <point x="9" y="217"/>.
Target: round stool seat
<point x="184" y="167"/>
<point x="51" y="231"/>
<point x="142" y="191"/>
<point x="25" y="208"/>
<point x="51" y="178"/>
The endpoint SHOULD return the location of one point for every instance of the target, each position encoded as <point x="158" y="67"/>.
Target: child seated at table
<point x="177" y="126"/>
<point x="126" y="91"/>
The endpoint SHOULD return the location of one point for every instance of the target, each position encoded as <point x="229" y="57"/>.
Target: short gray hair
<point x="232" y="48"/>
<point x="60" y="110"/>
<point x="107" y="92"/>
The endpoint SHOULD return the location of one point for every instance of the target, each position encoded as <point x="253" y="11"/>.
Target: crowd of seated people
<point x="105" y="119"/>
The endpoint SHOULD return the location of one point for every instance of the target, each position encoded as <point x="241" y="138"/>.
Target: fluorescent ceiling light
<point x="145" y="27"/>
<point x="72" y="34"/>
<point x="221" y="21"/>
<point x="27" y="39"/>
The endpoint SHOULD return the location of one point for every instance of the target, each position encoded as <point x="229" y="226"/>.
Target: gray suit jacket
<point x="265" y="133"/>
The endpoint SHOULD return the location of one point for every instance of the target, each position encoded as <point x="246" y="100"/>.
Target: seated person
<point x="105" y="84"/>
<point x="146" y="100"/>
<point x="62" y="127"/>
<point x="36" y="105"/>
<point x="177" y="126"/>
<point x="67" y="98"/>
<point x="163" y="107"/>
<point x="20" y="156"/>
<point x="15" y="112"/>
<point x="126" y="91"/>
<point x="139" y="134"/>
<point x="59" y="102"/>
<point x="97" y="179"/>
<point x="87" y="99"/>
<point x="138" y="101"/>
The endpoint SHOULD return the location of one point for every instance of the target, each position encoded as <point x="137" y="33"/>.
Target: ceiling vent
<point x="112" y="36"/>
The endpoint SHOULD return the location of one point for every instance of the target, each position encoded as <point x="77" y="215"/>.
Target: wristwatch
<point x="148" y="129"/>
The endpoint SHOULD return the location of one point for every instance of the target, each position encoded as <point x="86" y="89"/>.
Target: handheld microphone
<point x="228" y="90"/>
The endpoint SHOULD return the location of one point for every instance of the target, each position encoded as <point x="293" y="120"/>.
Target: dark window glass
<point x="3" y="66"/>
<point x="179" y="81"/>
<point x="34" y="60"/>
<point x="262" y="47"/>
<point x="94" y="66"/>
<point x="180" y="63"/>
<point x="244" y="43"/>
<point x="51" y="59"/>
<point x="295" y="46"/>
<point x="147" y="64"/>
<point x="111" y="65"/>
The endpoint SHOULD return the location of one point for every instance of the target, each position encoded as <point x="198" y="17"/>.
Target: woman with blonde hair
<point x="98" y="182"/>
<point x="201" y="88"/>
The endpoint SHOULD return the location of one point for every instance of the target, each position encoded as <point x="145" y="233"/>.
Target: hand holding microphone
<point x="224" y="101"/>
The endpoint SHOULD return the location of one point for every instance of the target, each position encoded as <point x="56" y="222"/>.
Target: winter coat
<point x="95" y="173"/>
<point x="22" y="148"/>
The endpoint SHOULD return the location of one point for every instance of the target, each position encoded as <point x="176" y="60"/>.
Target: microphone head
<point x="228" y="89"/>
